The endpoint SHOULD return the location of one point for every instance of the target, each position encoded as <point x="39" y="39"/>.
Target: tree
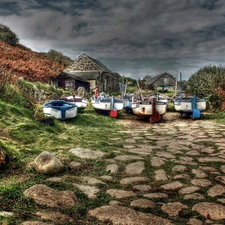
<point x="7" y="36"/>
<point x="58" y="57"/>
<point x="208" y="82"/>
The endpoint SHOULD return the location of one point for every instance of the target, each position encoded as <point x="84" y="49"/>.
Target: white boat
<point x="191" y="106"/>
<point x="106" y="105"/>
<point x="152" y="108"/>
<point x="60" y="109"/>
<point x="80" y="102"/>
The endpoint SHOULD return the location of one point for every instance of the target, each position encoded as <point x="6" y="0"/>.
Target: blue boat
<point x="60" y="109"/>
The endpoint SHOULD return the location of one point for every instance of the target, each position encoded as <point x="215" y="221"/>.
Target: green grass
<point x="23" y="138"/>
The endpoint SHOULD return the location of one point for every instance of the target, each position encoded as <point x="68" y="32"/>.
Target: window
<point x="166" y="80"/>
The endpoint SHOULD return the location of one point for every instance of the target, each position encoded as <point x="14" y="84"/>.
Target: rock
<point x="56" y="217"/>
<point x="128" y="157"/>
<point x="135" y="168"/>
<point x="194" y="221"/>
<point x="44" y="195"/>
<point x="86" y="153"/>
<point x="172" y="186"/>
<point x="120" y="194"/>
<point x="160" y="175"/>
<point x="173" y="208"/>
<point x="143" y="203"/>
<point x="47" y="163"/>
<point x="216" y="190"/>
<point x="88" y="190"/>
<point x="156" y="195"/>
<point x="112" y="168"/>
<point x="201" y="182"/>
<point x="199" y="173"/>
<point x="122" y="215"/>
<point x="210" y="210"/>
<point x="188" y="190"/>
<point x="142" y="187"/>
<point x="179" y="168"/>
<point x="156" y="161"/>
<point x="133" y="180"/>
<point x="195" y="196"/>
<point x="74" y="165"/>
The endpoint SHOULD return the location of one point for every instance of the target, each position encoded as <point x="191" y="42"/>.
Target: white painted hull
<point x="106" y="104"/>
<point x="144" y="109"/>
<point x="69" y="114"/>
<point x="185" y="105"/>
<point x="60" y="109"/>
<point x="80" y="102"/>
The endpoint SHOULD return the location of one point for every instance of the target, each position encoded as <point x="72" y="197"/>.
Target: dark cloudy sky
<point x="132" y="37"/>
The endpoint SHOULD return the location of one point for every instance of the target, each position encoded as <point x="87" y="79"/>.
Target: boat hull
<point x="80" y="102"/>
<point x="145" y="109"/>
<point x="185" y="105"/>
<point x="106" y="105"/>
<point x="60" y="109"/>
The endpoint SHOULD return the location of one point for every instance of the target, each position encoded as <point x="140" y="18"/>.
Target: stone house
<point x="164" y="81"/>
<point x="94" y="72"/>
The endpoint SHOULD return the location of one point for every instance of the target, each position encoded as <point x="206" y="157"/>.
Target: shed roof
<point x="152" y="80"/>
<point x="75" y="77"/>
<point x="85" y="63"/>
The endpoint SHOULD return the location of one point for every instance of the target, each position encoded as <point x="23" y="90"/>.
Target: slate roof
<point x="152" y="80"/>
<point x="85" y="63"/>
<point x="75" y="77"/>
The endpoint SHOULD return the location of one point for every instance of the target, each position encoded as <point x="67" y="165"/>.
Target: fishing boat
<point x="60" y="109"/>
<point x="191" y="106"/>
<point x="150" y="108"/>
<point x="80" y="102"/>
<point x="127" y="102"/>
<point x="106" y="105"/>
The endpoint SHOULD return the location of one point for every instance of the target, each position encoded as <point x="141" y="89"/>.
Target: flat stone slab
<point x="116" y="214"/>
<point x="201" y="182"/>
<point x="120" y="194"/>
<point x="216" y="190"/>
<point x="88" y="190"/>
<point x="44" y="195"/>
<point x="210" y="210"/>
<point x="128" y="157"/>
<point x="173" y="208"/>
<point x="143" y="203"/>
<point x="172" y="186"/>
<point x="135" y="168"/>
<point x="133" y="180"/>
<point x="156" y="195"/>
<point x="86" y="153"/>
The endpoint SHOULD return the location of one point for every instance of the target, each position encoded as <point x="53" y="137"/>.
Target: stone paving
<point x="172" y="172"/>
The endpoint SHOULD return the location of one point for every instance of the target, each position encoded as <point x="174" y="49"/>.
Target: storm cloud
<point x="133" y="38"/>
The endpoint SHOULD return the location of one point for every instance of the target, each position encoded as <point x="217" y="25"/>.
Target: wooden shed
<point x="70" y="81"/>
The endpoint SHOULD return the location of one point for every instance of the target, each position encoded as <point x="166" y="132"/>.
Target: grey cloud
<point x="131" y="37"/>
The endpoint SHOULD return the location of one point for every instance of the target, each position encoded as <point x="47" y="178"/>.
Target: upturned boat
<point x="60" y="109"/>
